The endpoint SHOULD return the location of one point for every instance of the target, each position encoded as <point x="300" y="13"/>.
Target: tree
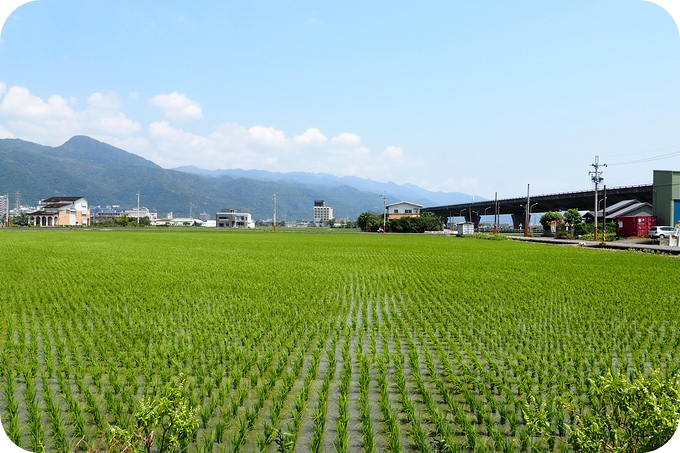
<point x="549" y="217"/>
<point x="123" y="220"/>
<point x="575" y="221"/>
<point x="572" y="216"/>
<point x="430" y="222"/>
<point x="21" y="219"/>
<point x="369" y="221"/>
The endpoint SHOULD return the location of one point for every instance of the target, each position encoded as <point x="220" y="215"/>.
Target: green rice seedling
<point x="205" y="413"/>
<point x="319" y="422"/>
<point x="284" y="442"/>
<point x="268" y="433"/>
<point x="364" y="408"/>
<point x="206" y="442"/>
<point x="220" y="428"/>
<point x="239" y="437"/>
<point x="342" y="437"/>
<point x="495" y="339"/>
<point x="55" y="419"/>
<point x="11" y="410"/>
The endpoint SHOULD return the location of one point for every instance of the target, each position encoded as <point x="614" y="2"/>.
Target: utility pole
<point x="137" y="210"/>
<point x="496" y="217"/>
<point x="384" y="197"/>
<point x="527" y="214"/>
<point x="596" y="176"/>
<point x="274" y="212"/>
<point x="604" y="216"/>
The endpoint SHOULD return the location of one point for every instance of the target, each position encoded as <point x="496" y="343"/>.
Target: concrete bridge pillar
<point x="517" y="218"/>
<point x="474" y="218"/>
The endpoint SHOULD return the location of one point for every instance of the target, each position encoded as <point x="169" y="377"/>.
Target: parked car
<point x="657" y="232"/>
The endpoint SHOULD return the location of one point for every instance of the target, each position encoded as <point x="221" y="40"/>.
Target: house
<point x="403" y="209"/>
<point x="229" y="218"/>
<point x="61" y="211"/>
<point x="625" y="208"/>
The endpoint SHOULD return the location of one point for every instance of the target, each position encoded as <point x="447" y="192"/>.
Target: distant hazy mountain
<point x="394" y="192"/>
<point x="107" y="175"/>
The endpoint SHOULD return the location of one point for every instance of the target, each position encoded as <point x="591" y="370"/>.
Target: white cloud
<point x="267" y="136"/>
<point x="394" y="154"/>
<point x="31" y="118"/>
<point x="19" y="103"/>
<point x="109" y="101"/>
<point x="102" y="116"/>
<point x="56" y="119"/>
<point x="177" y="106"/>
<point x="311" y="136"/>
<point x="164" y="132"/>
<point x="231" y="136"/>
<point x="347" y="139"/>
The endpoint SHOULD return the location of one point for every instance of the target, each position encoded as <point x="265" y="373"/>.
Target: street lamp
<point x="460" y="214"/>
<point x="530" y="219"/>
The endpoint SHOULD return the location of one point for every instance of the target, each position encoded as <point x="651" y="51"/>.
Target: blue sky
<point x="476" y="97"/>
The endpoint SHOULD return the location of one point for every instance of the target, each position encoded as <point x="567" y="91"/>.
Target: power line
<point x="651" y="158"/>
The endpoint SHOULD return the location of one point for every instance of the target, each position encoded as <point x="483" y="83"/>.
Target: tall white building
<point x="322" y="213"/>
<point x="4" y="208"/>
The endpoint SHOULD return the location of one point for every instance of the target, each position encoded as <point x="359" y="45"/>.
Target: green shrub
<point x="624" y="416"/>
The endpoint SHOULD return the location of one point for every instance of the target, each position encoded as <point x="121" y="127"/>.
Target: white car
<point x="657" y="232"/>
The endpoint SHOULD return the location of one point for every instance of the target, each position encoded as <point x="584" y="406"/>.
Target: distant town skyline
<point x="449" y="96"/>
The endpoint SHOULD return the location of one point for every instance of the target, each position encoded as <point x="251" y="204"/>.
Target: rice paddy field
<point x="319" y="341"/>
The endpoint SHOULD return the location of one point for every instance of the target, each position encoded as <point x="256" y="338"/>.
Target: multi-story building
<point x="110" y="213"/>
<point x="142" y="212"/>
<point x="61" y="211"/>
<point x="107" y="214"/>
<point x="4" y="209"/>
<point x="322" y="213"/>
<point x="229" y="218"/>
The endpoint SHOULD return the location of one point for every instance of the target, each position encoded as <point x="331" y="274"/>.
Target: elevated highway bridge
<point x="583" y="201"/>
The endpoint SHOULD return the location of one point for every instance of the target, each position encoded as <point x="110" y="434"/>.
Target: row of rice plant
<point x="319" y="342"/>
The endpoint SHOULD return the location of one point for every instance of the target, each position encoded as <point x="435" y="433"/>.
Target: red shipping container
<point x="637" y="226"/>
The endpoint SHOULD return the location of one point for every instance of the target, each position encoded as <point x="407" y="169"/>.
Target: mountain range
<point x="107" y="176"/>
